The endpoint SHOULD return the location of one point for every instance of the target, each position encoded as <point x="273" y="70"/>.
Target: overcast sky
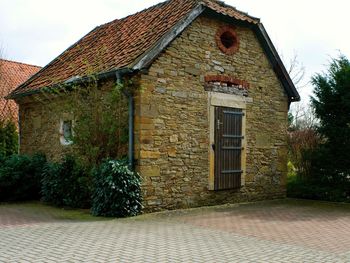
<point x="36" y="31"/>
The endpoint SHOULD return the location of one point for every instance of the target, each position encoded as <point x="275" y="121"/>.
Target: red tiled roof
<point x="12" y="74"/>
<point x="222" y="8"/>
<point x="119" y="43"/>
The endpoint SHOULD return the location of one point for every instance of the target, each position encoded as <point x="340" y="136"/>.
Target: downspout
<point x="131" y="122"/>
<point x="19" y="128"/>
<point x="131" y="131"/>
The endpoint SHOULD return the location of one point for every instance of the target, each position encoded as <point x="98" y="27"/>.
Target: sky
<point x="36" y="31"/>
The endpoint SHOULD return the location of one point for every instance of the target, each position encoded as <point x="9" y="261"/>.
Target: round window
<point x="227" y="41"/>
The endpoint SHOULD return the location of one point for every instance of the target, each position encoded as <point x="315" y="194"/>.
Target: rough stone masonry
<point x="172" y="127"/>
<point x="172" y="121"/>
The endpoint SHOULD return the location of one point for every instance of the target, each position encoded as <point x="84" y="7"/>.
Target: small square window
<point x="66" y="132"/>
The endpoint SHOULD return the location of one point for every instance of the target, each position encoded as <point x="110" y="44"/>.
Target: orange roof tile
<point x="12" y="74"/>
<point x="119" y="43"/>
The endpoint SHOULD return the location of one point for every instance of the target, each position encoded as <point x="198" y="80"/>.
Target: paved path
<point x="282" y="231"/>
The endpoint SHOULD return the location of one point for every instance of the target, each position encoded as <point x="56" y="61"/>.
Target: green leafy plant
<point x="99" y="113"/>
<point x="101" y="129"/>
<point x="66" y="184"/>
<point x="8" y="138"/>
<point x="20" y="177"/>
<point x="117" y="191"/>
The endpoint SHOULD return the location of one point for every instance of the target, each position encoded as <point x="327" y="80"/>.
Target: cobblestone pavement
<point x="276" y="231"/>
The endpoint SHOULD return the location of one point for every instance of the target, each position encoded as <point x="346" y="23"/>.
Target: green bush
<point x="316" y="190"/>
<point x="331" y="104"/>
<point x="66" y="184"/>
<point x="117" y="191"/>
<point x="20" y="177"/>
<point x="8" y="138"/>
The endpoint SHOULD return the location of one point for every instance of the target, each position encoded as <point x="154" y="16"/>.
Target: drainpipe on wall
<point x="19" y="129"/>
<point x="131" y="122"/>
<point x="131" y="132"/>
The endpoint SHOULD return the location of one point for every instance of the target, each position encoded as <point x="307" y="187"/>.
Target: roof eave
<point x="148" y="57"/>
<point x="79" y="81"/>
<point x="277" y="63"/>
<point x="29" y="80"/>
<point x="143" y="61"/>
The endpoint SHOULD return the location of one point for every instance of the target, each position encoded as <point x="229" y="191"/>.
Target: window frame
<point x="63" y="140"/>
<point x="231" y="31"/>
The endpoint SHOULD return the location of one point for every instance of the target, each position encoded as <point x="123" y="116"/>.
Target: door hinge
<point x="218" y="124"/>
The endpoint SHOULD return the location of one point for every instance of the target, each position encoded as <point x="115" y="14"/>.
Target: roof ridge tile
<point x="21" y="63"/>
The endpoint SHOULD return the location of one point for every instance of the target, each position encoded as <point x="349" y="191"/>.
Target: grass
<point x="40" y="210"/>
<point x="44" y="213"/>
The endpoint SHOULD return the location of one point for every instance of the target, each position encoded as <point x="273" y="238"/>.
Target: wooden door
<point x="228" y="148"/>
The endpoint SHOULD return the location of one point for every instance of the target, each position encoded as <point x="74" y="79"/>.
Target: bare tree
<point x="303" y="115"/>
<point x="296" y="71"/>
<point x="302" y="136"/>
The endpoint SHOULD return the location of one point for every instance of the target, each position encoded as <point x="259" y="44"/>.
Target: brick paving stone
<point x="316" y="225"/>
<point x="283" y="231"/>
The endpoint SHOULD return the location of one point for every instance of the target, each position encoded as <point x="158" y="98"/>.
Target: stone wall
<point x="172" y="122"/>
<point x="40" y="118"/>
<point x="40" y="127"/>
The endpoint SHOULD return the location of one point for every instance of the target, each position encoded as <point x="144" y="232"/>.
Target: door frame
<point x="232" y="101"/>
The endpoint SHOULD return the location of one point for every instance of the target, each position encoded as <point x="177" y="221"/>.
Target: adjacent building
<point x="12" y="74"/>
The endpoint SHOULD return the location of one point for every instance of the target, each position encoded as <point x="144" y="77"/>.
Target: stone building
<point x="208" y="117"/>
<point x="12" y="74"/>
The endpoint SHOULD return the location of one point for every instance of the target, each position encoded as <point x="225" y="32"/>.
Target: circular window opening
<point x="227" y="39"/>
